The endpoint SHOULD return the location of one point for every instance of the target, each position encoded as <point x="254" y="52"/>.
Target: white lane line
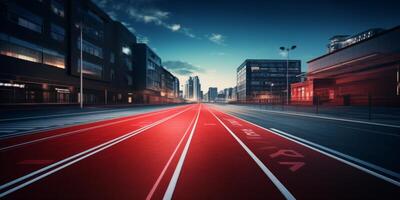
<point x="75" y="158"/>
<point x="328" y="118"/>
<point x="172" y="184"/>
<point x="153" y="189"/>
<point x="77" y="131"/>
<point x="264" y="168"/>
<point x="61" y="115"/>
<point x="314" y="147"/>
<point x="79" y="122"/>
<point x="329" y="152"/>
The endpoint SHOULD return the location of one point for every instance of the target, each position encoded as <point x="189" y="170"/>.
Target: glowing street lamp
<point x="287" y="49"/>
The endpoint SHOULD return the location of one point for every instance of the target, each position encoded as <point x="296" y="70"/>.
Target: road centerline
<point x="153" y="189"/>
<point x="172" y="184"/>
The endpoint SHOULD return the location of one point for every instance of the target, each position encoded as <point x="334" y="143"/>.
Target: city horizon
<point x="219" y="49"/>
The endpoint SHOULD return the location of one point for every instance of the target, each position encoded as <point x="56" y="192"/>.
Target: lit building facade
<point x="212" y="94"/>
<point x="359" y="74"/>
<point x="40" y="54"/>
<point x="263" y="79"/>
<point x="193" y="89"/>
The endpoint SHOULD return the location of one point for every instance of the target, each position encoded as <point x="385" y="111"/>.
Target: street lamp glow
<point x="286" y="50"/>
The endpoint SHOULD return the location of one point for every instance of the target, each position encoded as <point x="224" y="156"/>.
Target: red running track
<point x="190" y="152"/>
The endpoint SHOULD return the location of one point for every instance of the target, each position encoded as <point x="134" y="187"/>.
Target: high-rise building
<point x="196" y="89"/>
<point x="262" y="79"/>
<point x="193" y="89"/>
<point x="212" y="94"/>
<point x="188" y="93"/>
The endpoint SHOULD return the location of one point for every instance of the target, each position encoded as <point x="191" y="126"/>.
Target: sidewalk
<point x="386" y="115"/>
<point x="26" y="111"/>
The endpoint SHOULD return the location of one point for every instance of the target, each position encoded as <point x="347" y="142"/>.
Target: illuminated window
<point x="331" y="94"/>
<point x="91" y="68"/>
<point x="126" y="50"/>
<point x="53" y="58"/>
<point x="90" y="48"/>
<point x="13" y="47"/>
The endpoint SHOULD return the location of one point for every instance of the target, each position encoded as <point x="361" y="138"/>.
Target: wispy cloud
<point x="143" y="12"/>
<point x="216" y="38"/>
<point x="182" y="68"/>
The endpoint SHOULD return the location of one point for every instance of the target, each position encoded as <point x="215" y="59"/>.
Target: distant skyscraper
<point x="212" y="93"/>
<point x="188" y="94"/>
<point x="196" y="89"/>
<point x="193" y="89"/>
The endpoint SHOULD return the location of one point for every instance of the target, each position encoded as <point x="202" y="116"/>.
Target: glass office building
<point x="265" y="80"/>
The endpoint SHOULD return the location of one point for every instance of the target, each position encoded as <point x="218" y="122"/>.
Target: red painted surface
<point x="306" y="173"/>
<point x="216" y="165"/>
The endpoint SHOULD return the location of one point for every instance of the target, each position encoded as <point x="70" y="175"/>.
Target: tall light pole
<point x="287" y="49"/>
<point x="272" y="85"/>
<point x="81" y="66"/>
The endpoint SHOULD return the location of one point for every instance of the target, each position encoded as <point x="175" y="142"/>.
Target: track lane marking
<point x="313" y="146"/>
<point x="55" y="127"/>
<point x="153" y="189"/>
<point x="285" y="192"/>
<point x="172" y="184"/>
<point x="328" y="118"/>
<point x="329" y="152"/>
<point x="77" y="157"/>
<point x="79" y="130"/>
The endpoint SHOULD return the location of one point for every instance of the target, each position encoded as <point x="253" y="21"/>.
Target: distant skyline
<point x="212" y="38"/>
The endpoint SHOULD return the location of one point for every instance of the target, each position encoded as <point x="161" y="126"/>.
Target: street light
<point x="272" y="85"/>
<point x="287" y="49"/>
<point x="80" y="26"/>
<point x="81" y="67"/>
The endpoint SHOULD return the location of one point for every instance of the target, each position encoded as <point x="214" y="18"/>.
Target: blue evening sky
<point x="211" y="38"/>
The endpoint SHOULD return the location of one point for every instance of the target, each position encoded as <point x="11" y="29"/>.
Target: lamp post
<point x="271" y="85"/>
<point x="287" y="49"/>
<point x="81" y="66"/>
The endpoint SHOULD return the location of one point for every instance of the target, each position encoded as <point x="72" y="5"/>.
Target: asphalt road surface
<point x="195" y="151"/>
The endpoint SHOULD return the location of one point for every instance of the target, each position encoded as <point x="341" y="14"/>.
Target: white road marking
<point x="329" y="118"/>
<point x="75" y="158"/>
<point x="329" y="152"/>
<point x="172" y="184"/>
<point x="77" y="131"/>
<point x="264" y="168"/>
<point x="314" y="147"/>
<point x="78" y="120"/>
<point x="153" y="189"/>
